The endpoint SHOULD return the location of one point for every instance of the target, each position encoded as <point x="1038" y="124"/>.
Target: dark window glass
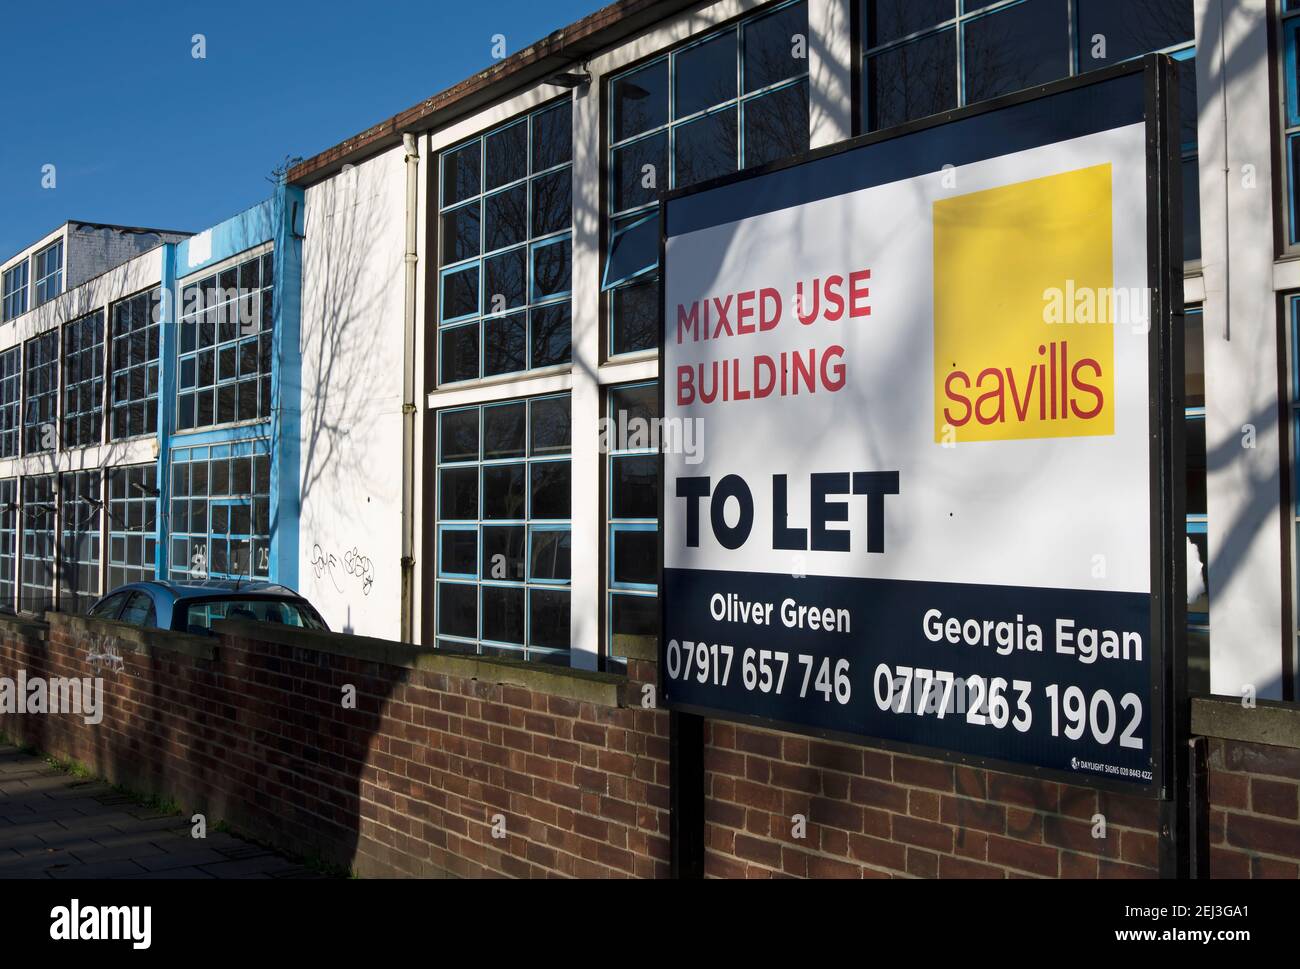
<point x="640" y="100"/>
<point x="505" y="344"/>
<point x="503" y="614"/>
<point x="705" y="75"/>
<point x="458" y="494"/>
<point x="552" y="269"/>
<point x="776" y="125"/>
<point x="504" y="281"/>
<point x="505" y="429"/>
<point x="459" y="552"/>
<point x="504" y="492"/>
<point x="636" y="557"/>
<point x="460" y="174"/>
<point x="505" y="217"/>
<point x="549" y="490"/>
<point x="551" y="425"/>
<point x="636" y="318"/>
<point x="634" y="615"/>
<point x="460" y="293"/>
<point x="552" y="327"/>
<point x="549" y="619"/>
<point x="776" y="47"/>
<point x="1196" y="466"/>
<point x="459" y="353"/>
<point x="913" y="81"/>
<point x="550" y="556"/>
<point x="634" y="480"/>
<point x="503" y="552"/>
<point x="460" y="232"/>
<point x="552" y="202"/>
<point x="888" y="20"/>
<point x="705" y="148"/>
<point x="1111" y="31"/>
<point x="457" y="609"/>
<point x="640" y="171"/>
<point x="553" y="137"/>
<point x="507" y="156"/>
<point x="1015" y="48"/>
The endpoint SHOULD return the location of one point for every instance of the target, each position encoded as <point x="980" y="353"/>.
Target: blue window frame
<point x="506" y="230"/>
<point x="11" y="378"/>
<point x="48" y="273"/>
<point x="923" y="57"/>
<point x="631" y="516"/>
<point x="14" y="290"/>
<point x="38" y="549"/>
<point x="225" y="348"/>
<point x="9" y="542"/>
<point x="1198" y="558"/>
<point x="1290" y="34"/>
<point x="83" y="380"/>
<point x="728" y="100"/>
<point x="220" y="524"/>
<point x="82" y="503"/>
<point x="41" y="392"/>
<point x="504" y="493"/>
<point x="135" y="331"/>
<point x="132" y="524"/>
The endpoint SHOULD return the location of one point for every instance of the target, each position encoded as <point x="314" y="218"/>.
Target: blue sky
<point x="142" y="133"/>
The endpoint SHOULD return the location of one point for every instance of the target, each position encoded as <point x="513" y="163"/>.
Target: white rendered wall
<point x="351" y="434"/>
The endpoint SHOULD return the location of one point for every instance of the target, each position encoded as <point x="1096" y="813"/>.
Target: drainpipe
<point x="408" y="390"/>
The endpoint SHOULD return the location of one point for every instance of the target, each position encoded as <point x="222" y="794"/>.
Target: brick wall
<point x="1254" y="787"/>
<point x="251" y="727"/>
<point x="408" y="782"/>
<point x="873" y="814"/>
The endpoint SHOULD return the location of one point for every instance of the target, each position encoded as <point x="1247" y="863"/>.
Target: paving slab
<point x="56" y="825"/>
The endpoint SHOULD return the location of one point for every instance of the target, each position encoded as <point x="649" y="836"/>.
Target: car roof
<point x="210" y="588"/>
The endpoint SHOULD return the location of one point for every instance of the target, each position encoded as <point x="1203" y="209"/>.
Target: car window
<point x="140" y="611"/>
<point x="107" y="608"/>
<point x="201" y="615"/>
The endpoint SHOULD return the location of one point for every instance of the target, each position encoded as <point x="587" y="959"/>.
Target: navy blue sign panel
<point x="831" y="562"/>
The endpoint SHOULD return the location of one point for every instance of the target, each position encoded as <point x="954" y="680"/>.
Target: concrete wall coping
<point x="134" y="639"/>
<point x="602" y="689"/>
<point x="26" y="626"/>
<point x="1268" y="722"/>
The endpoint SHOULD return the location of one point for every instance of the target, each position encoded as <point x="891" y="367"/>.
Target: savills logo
<point x="1001" y="370"/>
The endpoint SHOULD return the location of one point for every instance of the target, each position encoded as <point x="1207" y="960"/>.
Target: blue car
<point x="192" y="607"/>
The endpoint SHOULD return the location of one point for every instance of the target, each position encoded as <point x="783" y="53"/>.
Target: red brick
<point x="1225" y="863"/>
<point x="924" y="834"/>
<point x="923" y="804"/>
<point x="923" y="773"/>
<point x="1077" y="836"/>
<point x="1229" y="790"/>
<point x="922" y="864"/>
<point x="1078" y="866"/>
<point x="876" y="851"/>
<point x="761" y="851"/>
<point x="1024" y="791"/>
<point x="950" y="867"/>
<point x="1037" y="859"/>
<point x="819" y="867"/>
<point x="1262" y="759"/>
<point x="764" y="744"/>
<point x="878" y="794"/>
<point x="1277" y="798"/>
<point x="1264" y="835"/>
<point x="965" y="813"/>
<point x="835" y="757"/>
<point x="1273" y="868"/>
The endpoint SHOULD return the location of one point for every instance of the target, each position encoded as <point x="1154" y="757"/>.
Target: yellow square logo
<point x="1008" y="365"/>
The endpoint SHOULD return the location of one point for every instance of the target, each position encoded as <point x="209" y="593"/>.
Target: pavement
<point x="56" y="825"/>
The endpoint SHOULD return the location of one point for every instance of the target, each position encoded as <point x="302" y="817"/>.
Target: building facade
<point x="147" y="380"/>
<point x="520" y="521"/>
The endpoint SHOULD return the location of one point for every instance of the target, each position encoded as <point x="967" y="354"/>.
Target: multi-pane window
<point x="506" y="219"/>
<point x="1290" y="89"/>
<point x="224" y="366"/>
<point x="11" y="380"/>
<point x="733" y="99"/>
<point x="922" y="57"/>
<point x="132" y="524"/>
<point x="14" y="289"/>
<point x="79" y="558"/>
<point x="40" y="392"/>
<point x="48" y="272"/>
<point x="631" y="515"/>
<point x="221" y="511"/>
<point x="8" y="542"/>
<point x="135" y="332"/>
<point x="1198" y="560"/>
<point x="38" y="514"/>
<point x="503" y="556"/>
<point x="83" y="380"/>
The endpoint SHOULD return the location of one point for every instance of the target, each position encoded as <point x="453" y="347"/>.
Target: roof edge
<point x="577" y="42"/>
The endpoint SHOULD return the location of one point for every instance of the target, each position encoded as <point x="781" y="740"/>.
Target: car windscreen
<point x="199" y="616"/>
